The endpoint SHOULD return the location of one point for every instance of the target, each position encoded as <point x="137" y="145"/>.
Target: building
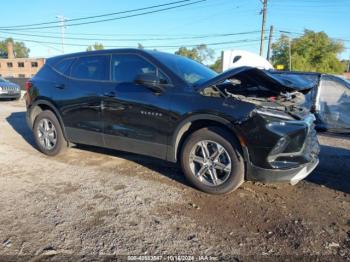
<point x="347" y="75"/>
<point x="19" y="67"/>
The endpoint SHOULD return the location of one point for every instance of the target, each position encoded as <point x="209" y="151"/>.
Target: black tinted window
<point x="91" y="68"/>
<point x="64" y="66"/>
<point x="125" y="68"/>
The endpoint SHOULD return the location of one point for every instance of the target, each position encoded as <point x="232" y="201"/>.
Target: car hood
<point x="276" y="82"/>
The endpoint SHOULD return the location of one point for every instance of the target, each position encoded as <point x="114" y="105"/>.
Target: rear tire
<point x="48" y="134"/>
<point x="219" y="168"/>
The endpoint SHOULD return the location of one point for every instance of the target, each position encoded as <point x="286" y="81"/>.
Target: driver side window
<point x="125" y="68"/>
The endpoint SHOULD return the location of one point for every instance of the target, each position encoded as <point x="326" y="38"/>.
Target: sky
<point x="168" y="30"/>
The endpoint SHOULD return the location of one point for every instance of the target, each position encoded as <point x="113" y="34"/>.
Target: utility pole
<point x="289" y="48"/>
<point x="263" y="11"/>
<point x="290" y="53"/>
<point x="63" y="27"/>
<point x="270" y="43"/>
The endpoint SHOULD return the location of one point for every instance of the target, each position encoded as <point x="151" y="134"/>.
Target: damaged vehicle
<point x="328" y="99"/>
<point x="244" y="124"/>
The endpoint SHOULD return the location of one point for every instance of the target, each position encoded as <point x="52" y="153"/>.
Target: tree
<point x="313" y="51"/>
<point x="140" y="46"/>
<point x="96" y="46"/>
<point x="217" y="66"/>
<point x="19" y="49"/>
<point x="200" y="53"/>
<point x="346" y="64"/>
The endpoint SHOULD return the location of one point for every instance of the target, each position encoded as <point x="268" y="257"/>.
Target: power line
<point x="180" y="36"/>
<point x="111" y="19"/>
<point x="154" y="46"/>
<point x="98" y="16"/>
<point x="299" y="33"/>
<point x="288" y="5"/>
<point x="135" y="39"/>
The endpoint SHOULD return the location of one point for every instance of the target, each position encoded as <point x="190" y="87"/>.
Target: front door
<point x="136" y="119"/>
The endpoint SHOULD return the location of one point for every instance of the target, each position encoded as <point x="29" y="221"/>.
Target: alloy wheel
<point x="47" y="134"/>
<point x="210" y="163"/>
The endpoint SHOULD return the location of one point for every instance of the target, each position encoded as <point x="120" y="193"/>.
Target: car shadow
<point x="164" y="168"/>
<point x="17" y="120"/>
<point x="332" y="172"/>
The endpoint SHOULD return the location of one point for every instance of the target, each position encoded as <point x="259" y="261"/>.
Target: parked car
<point x="328" y="99"/>
<point x="244" y="124"/>
<point x="9" y="90"/>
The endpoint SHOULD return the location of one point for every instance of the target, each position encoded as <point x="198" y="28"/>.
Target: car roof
<point x="55" y="59"/>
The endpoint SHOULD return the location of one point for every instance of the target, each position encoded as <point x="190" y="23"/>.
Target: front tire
<point x="48" y="134"/>
<point x="212" y="161"/>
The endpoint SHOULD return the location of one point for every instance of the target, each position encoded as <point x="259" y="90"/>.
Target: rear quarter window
<point x="64" y="65"/>
<point x="91" y="68"/>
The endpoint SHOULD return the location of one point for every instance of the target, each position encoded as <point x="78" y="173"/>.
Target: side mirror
<point x="150" y="81"/>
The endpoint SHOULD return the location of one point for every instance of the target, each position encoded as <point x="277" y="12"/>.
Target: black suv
<point x="244" y="124"/>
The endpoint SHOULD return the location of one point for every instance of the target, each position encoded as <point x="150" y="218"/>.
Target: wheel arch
<point x="194" y="123"/>
<point x="41" y="105"/>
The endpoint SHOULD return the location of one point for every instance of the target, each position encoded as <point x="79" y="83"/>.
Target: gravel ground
<point x="93" y="204"/>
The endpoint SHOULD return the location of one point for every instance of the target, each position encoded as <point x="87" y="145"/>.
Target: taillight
<point x="28" y="86"/>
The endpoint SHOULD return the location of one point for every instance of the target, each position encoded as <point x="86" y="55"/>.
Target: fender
<point x="185" y="125"/>
<point x="53" y="108"/>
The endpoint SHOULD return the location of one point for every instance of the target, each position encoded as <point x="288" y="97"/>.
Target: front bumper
<point x="292" y="176"/>
<point x="10" y="95"/>
<point x="270" y="160"/>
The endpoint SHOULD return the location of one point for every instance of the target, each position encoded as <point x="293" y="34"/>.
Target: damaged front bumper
<point x="292" y="175"/>
<point x="283" y="151"/>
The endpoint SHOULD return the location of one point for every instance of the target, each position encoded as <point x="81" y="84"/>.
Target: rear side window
<point x="64" y="66"/>
<point x="91" y="68"/>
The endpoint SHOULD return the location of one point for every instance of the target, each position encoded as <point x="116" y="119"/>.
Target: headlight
<point x="274" y="114"/>
<point x="0" y="88"/>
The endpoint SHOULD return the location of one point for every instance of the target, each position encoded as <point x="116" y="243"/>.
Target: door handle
<point x="110" y="94"/>
<point x="59" y="86"/>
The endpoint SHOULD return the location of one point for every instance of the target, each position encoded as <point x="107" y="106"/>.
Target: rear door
<point x="81" y="104"/>
<point x="136" y="119"/>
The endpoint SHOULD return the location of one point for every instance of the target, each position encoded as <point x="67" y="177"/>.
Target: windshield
<point x="3" y="80"/>
<point x="347" y="81"/>
<point x="192" y="72"/>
